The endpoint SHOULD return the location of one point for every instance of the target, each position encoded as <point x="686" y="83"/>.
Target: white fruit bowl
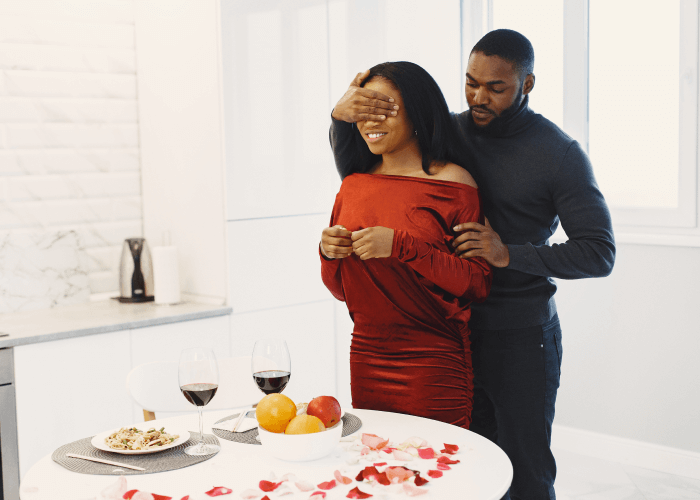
<point x="301" y="447"/>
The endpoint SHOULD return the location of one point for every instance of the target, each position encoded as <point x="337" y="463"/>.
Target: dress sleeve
<point x="469" y="279"/>
<point x="330" y="268"/>
<point x="584" y="215"/>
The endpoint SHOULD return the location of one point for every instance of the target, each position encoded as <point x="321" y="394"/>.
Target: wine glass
<point x="271" y="365"/>
<point x="198" y="375"/>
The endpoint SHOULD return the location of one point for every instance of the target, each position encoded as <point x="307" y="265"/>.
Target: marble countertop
<point x="45" y="325"/>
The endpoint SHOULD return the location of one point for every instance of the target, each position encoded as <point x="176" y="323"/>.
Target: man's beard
<point x="498" y="123"/>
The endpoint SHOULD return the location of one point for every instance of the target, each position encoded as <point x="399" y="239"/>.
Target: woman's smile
<point x="375" y="136"/>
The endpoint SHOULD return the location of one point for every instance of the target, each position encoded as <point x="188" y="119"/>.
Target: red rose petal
<point x="186" y="497"/>
<point x="446" y="460"/>
<point x="328" y="485"/>
<point x="426" y="453"/>
<point x="266" y="486"/>
<point x="398" y="473"/>
<point x="265" y="498"/>
<point x="129" y="494"/>
<point x="443" y="466"/>
<point x="420" y="481"/>
<point x="388" y="450"/>
<point x="382" y="478"/>
<point x="360" y="476"/>
<point x="379" y="464"/>
<point x="161" y="497"/>
<point x="318" y="494"/>
<point x="450" y="448"/>
<point x="356" y="493"/>
<point x="218" y="491"/>
<point x="341" y="479"/>
<point x="434" y="473"/>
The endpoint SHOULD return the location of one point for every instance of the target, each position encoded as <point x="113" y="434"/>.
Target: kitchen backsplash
<point x="42" y="270"/>
<point x="69" y="141"/>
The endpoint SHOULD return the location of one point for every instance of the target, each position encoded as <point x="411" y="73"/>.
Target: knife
<point x="108" y="462"/>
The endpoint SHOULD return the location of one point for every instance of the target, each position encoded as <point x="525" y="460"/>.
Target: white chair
<point x="154" y="387"/>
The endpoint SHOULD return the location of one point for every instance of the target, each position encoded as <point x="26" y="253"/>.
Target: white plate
<point x="98" y="441"/>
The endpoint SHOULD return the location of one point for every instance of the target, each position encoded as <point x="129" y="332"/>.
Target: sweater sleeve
<point x="330" y="274"/>
<point x="584" y="215"/>
<point x="469" y="279"/>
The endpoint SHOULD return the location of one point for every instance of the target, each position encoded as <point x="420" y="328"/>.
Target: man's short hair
<point x="511" y="46"/>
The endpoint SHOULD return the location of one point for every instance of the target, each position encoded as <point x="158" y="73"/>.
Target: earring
<point x="416" y="132"/>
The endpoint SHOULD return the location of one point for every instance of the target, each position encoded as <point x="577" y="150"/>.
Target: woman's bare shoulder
<point x="454" y="173"/>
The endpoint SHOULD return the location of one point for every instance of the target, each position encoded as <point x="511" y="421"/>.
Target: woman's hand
<point x="360" y="104"/>
<point x="335" y="242"/>
<point x="373" y="242"/>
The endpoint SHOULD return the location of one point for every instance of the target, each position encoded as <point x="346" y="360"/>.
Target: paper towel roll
<point x="166" y="278"/>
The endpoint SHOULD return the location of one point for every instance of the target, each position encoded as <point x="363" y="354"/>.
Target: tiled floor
<point x="584" y="478"/>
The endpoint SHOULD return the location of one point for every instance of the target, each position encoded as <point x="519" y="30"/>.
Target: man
<point x="532" y="176"/>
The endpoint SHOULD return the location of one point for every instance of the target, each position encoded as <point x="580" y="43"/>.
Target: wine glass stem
<point x="201" y="428"/>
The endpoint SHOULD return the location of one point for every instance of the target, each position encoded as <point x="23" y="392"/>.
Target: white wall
<point x="630" y="364"/>
<point x="69" y="146"/>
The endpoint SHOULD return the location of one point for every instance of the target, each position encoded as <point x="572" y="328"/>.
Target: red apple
<point x="326" y="408"/>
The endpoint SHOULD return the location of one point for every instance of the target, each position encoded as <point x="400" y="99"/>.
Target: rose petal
<point x="413" y="491"/>
<point x="341" y="479"/>
<point x="360" y="476"/>
<point x="374" y="442"/>
<point x="443" y="467"/>
<point x="388" y="449"/>
<point x="379" y="464"/>
<point x="114" y="491"/>
<point x="420" y="481"/>
<point x="161" y="497"/>
<point x="398" y="474"/>
<point x="434" y="473"/>
<point x="267" y="486"/>
<point x="328" y="485"/>
<point x="446" y="460"/>
<point x="265" y="498"/>
<point x="186" y="497"/>
<point x="426" y="453"/>
<point x="450" y="448"/>
<point x="304" y="485"/>
<point x="129" y="494"/>
<point x="382" y="479"/>
<point x="249" y="494"/>
<point x="318" y="494"/>
<point x="356" y="493"/>
<point x="289" y="477"/>
<point x="402" y="455"/>
<point x="415" y="441"/>
<point x="217" y="491"/>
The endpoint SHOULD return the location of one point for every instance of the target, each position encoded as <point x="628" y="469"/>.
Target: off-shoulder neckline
<point x="410" y="177"/>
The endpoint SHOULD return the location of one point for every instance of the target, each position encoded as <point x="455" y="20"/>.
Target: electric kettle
<point x="136" y="271"/>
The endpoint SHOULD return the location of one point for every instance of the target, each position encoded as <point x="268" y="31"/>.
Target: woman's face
<point x="393" y="134"/>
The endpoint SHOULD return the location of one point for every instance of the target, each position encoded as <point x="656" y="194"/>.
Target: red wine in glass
<point x="271" y="381"/>
<point x="199" y="394"/>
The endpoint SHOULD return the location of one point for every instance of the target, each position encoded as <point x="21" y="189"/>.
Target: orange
<point x="305" y="424"/>
<point x="274" y="412"/>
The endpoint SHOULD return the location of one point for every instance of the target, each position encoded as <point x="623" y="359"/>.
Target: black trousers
<point x="516" y="377"/>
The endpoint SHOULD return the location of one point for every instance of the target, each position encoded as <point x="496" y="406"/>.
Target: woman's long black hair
<point x="425" y="108"/>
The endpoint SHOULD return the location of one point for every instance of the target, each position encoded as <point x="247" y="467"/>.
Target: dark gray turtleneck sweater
<point x="532" y="176"/>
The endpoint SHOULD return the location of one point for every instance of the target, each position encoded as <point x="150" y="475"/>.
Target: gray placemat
<point x="172" y="459"/>
<point x="351" y="423"/>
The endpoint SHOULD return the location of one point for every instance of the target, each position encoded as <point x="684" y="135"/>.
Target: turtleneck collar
<point x="505" y="126"/>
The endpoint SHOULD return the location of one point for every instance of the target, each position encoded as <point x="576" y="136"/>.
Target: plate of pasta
<point x="139" y="439"/>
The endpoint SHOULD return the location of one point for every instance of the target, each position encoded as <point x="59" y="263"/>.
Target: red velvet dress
<point x="410" y="348"/>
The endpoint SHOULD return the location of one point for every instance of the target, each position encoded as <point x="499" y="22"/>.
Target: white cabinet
<point x="70" y="389"/>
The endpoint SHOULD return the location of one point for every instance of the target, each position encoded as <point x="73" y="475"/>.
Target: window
<point x="621" y="78"/>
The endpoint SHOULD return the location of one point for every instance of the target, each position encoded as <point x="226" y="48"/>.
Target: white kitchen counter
<point x="31" y="327"/>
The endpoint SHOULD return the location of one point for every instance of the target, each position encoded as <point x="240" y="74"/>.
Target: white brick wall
<point x="69" y="147"/>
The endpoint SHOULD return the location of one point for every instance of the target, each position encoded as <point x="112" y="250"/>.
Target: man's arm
<point x="356" y="105"/>
<point x="588" y="253"/>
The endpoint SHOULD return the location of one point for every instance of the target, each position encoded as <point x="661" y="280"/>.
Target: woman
<point x="407" y="293"/>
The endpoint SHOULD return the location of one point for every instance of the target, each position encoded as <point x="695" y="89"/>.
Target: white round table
<point x="484" y="471"/>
